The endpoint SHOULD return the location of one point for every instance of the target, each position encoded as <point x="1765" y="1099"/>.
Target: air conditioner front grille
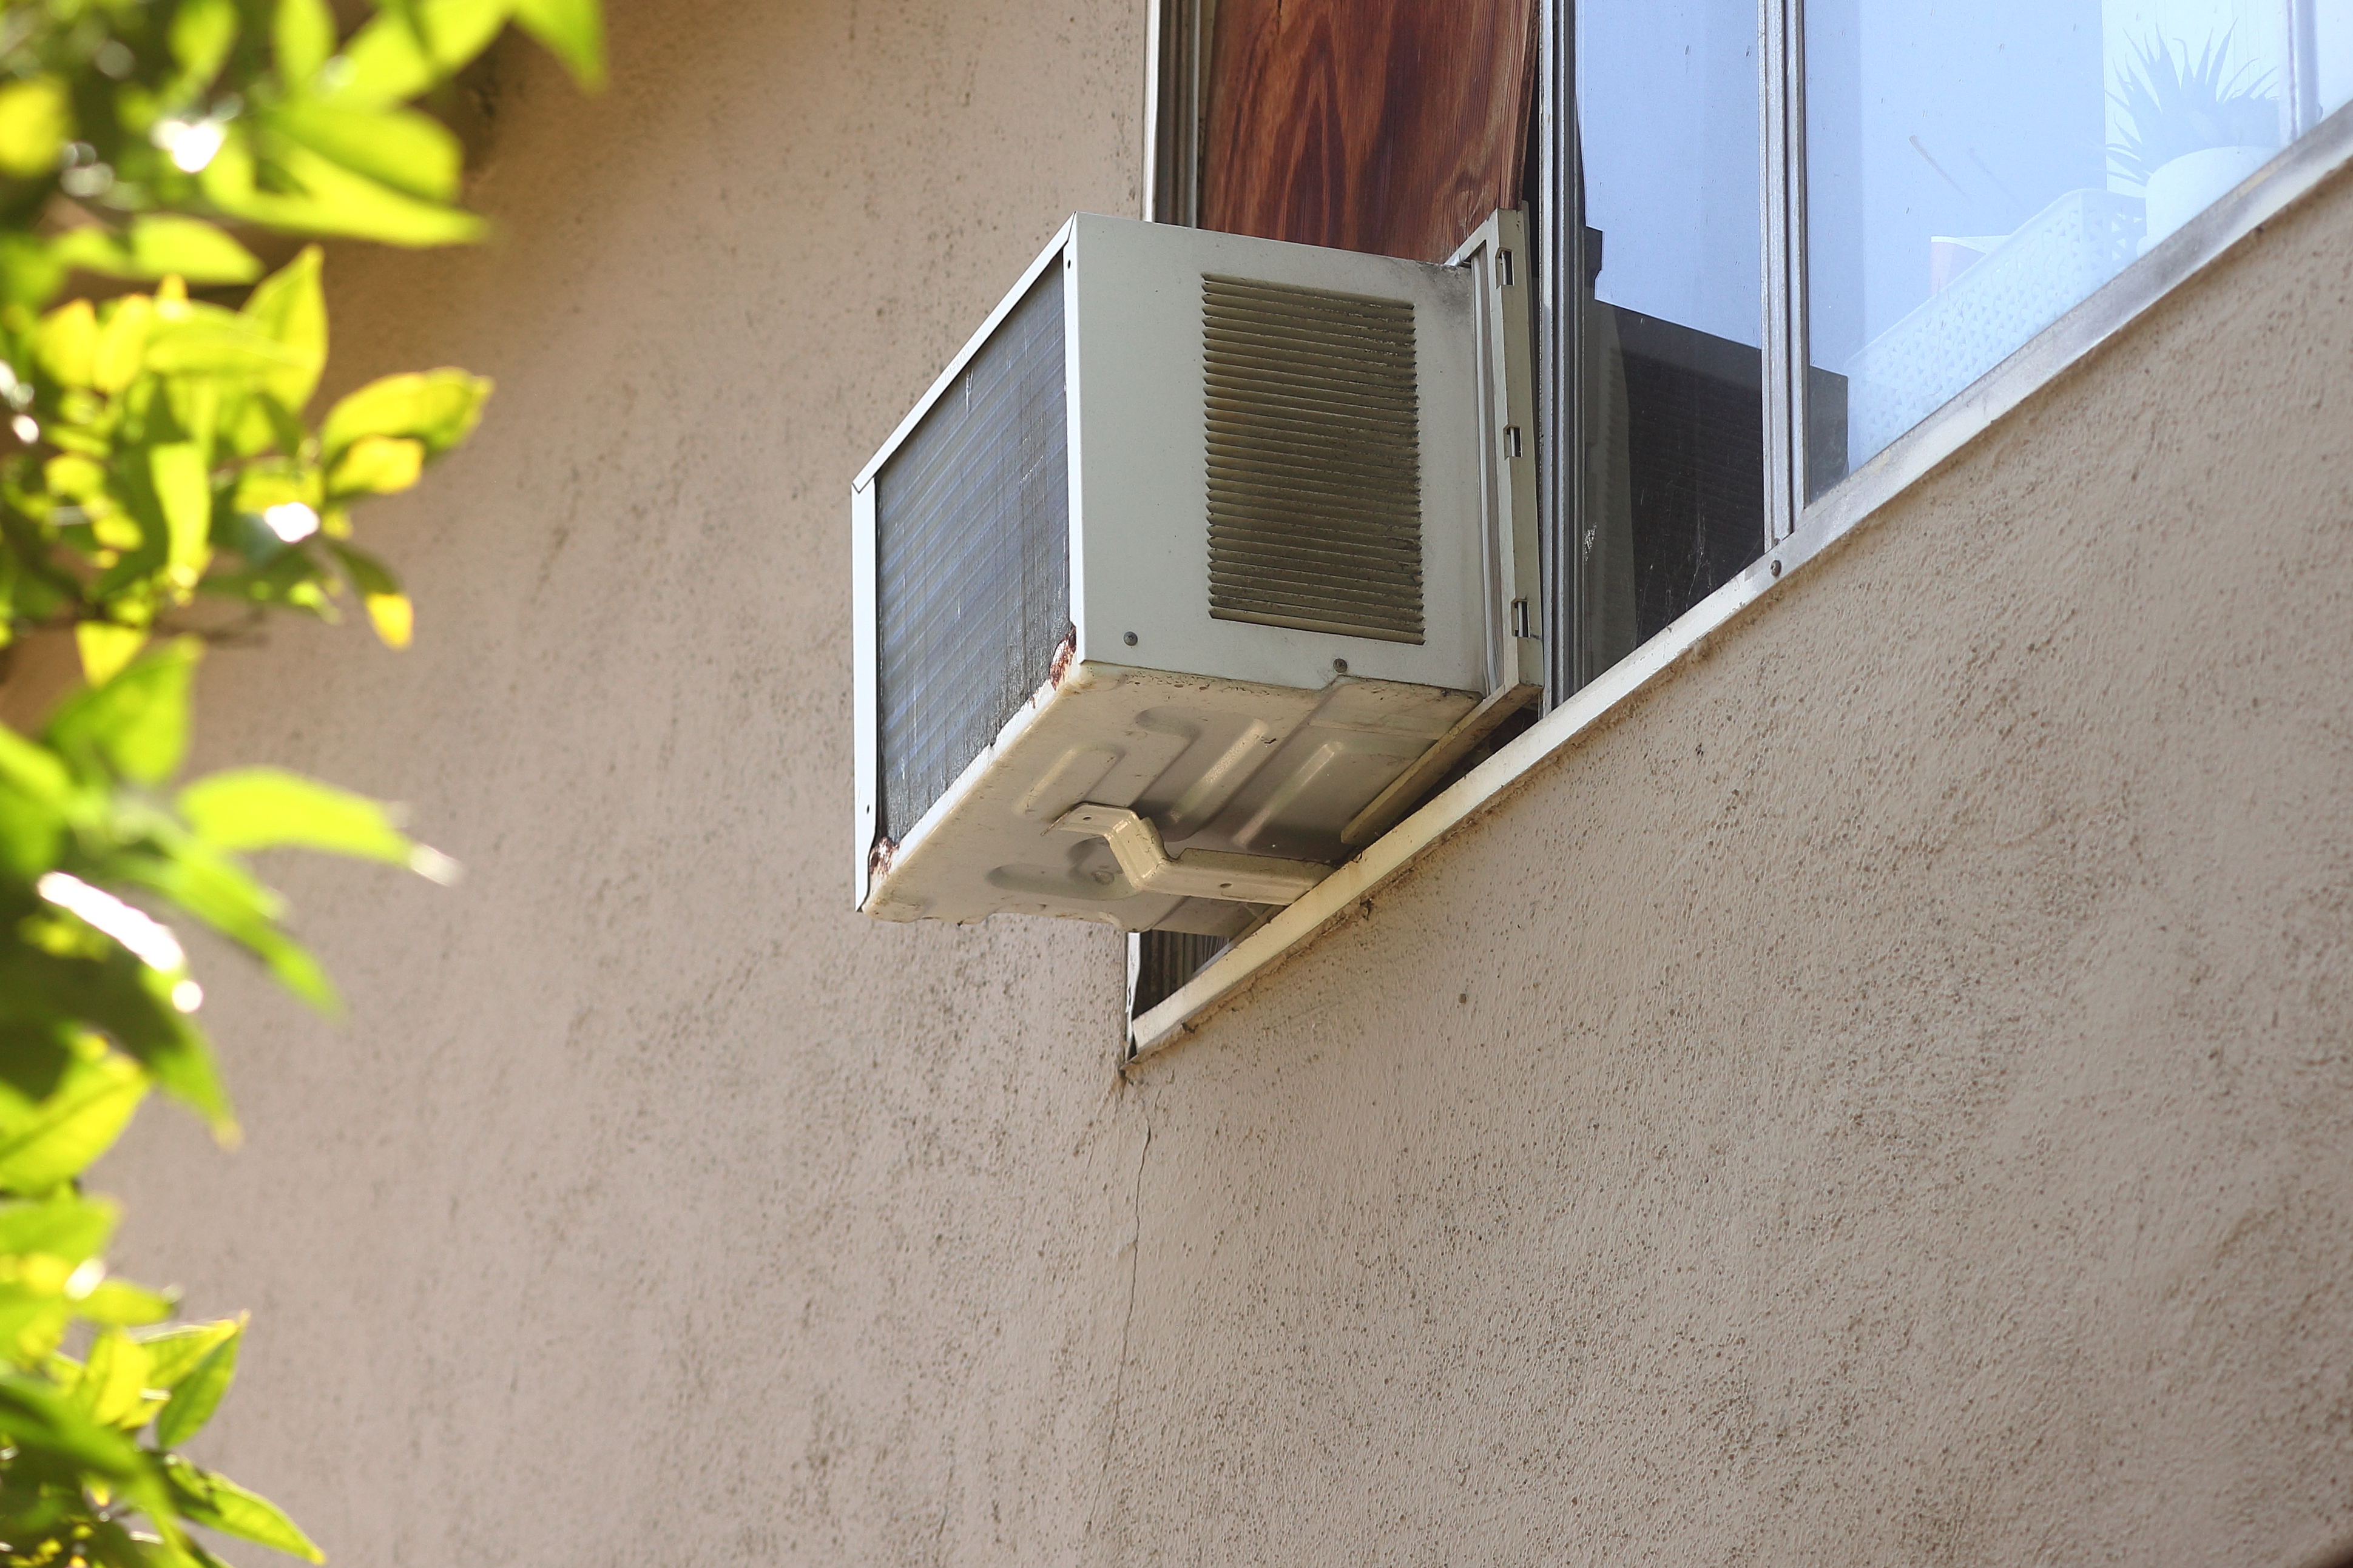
<point x="1315" y="461"/>
<point x="972" y="523"/>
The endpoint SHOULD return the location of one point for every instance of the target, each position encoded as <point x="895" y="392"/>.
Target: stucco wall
<point x="1886" y="1099"/>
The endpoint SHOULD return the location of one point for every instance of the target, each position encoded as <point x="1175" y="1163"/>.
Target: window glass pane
<point x="1974" y="167"/>
<point x="2329" y="83"/>
<point x="1672" y="490"/>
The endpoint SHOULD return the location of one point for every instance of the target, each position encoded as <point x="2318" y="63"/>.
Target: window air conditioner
<point x="1199" y="565"/>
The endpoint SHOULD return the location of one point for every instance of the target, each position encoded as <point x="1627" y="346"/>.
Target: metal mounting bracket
<point x="1145" y="862"/>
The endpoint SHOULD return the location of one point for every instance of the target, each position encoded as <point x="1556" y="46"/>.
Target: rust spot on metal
<point x="1065" y="651"/>
<point x="879" y="858"/>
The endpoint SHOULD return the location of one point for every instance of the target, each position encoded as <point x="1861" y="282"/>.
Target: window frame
<point x="1797" y="531"/>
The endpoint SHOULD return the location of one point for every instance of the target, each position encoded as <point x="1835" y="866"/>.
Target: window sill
<point x="2296" y="173"/>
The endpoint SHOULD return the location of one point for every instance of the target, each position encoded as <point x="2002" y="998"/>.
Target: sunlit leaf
<point x="114" y="1379"/>
<point x="136" y="722"/>
<point x="106" y="648"/>
<point x="119" y="1302"/>
<point x="574" y="30"/>
<point x="35" y="122"/>
<point x="412" y="152"/>
<point x="303" y="32"/>
<point x="164" y="243"/>
<point x="377" y="465"/>
<point x="65" y="1225"/>
<point x="405" y="50"/>
<point x="174" y="1353"/>
<point x="394" y="617"/>
<point x="73" y="476"/>
<point x="198" y="1394"/>
<point x="73" y="1127"/>
<point x="122" y="342"/>
<point x="336" y="200"/>
<point x="244" y="809"/>
<point x="213" y="1499"/>
<point x="202" y="32"/>
<point x="185" y="492"/>
<point x="69" y="342"/>
<point x="197" y="338"/>
<point x="289" y="306"/>
<point x="437" y="407"/>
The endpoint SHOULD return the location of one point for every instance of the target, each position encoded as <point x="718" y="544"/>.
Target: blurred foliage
<point x="162" y="478"/>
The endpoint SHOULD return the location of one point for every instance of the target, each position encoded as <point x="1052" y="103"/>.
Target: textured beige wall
<point x="1887" y="1100"/>
<point x="655" y="1207"/>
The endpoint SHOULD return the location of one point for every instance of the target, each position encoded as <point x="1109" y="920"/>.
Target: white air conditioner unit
<point x="1194" y="570"/>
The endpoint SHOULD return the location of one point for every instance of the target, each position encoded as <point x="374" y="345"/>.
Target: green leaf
<point x="154" y="247"/>
<point x="165" y="243"/>
<point x="438" y="407"/>
<point x="291" y="306"/>
<point x="174" y="1352"/>
<point x="33" y="789"/>
<point x="407" y="48"/>
<point x="69" y="1129"/>
<point x="202" y="32"/>
<point x="206" y="340"/>
<point x="185" y="492"/>
<point x="182" y="1064"/>
<point x="335" y="200"/>
<point x="304" y="33"/>
<point x="67" y="342"/>
<point x="136" y="725"/>
<point x="208" y="1499"/>
<point x="50" y="995"/>
<point x="35" y="120"/>
<point x="64" y="1225"/>
<point x="122" y="342"/>
<point x="40" y="1418"/>
<point x="114" y="1380"/>
<point x="107" y="649"/>
<point x="194" y="1400"/>
<point x="208" y="884"/>
<point x="412" y="152"/>
<point x="573" y="31"/>
<point x="119" y="1302"/>
<point x="377" y="465"/>
<point x="267" y="809"/>
<point x="394" y="618"/>
<point x="29" y="275"/>
<point x="115" y="1547"/>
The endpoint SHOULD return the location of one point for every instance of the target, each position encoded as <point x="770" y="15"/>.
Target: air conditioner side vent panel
<point x="971" y="522"/>
<point x="1313" y="457"/>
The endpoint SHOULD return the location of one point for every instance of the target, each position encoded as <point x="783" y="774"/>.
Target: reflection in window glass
<point x="1673" y="488"/>
<point x="1975" y="169"/>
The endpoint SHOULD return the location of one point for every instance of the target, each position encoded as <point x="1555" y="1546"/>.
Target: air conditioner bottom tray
<point x="1227" y="767"/>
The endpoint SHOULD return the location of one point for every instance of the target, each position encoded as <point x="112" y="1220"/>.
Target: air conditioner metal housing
<point x="1195" y="566"/>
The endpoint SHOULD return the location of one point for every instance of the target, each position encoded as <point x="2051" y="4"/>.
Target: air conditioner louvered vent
<point x="1314" y="462"/>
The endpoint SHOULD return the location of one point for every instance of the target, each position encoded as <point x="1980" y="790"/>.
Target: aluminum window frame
<point x="1798" y="530"/>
